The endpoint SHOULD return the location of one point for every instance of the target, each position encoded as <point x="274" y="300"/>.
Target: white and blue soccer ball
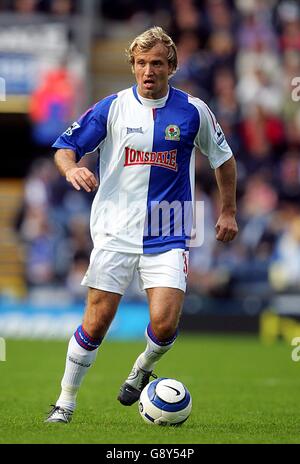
<point x="165" y="401"/>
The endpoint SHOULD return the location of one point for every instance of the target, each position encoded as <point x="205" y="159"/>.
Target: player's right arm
<point x="83" y="137"/>
<point x="79" y="177"/>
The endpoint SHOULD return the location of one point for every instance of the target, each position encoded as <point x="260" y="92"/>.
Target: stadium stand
<point x="242" y="58"/>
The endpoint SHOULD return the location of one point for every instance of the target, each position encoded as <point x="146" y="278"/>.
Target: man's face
<point x="152" y="71"/>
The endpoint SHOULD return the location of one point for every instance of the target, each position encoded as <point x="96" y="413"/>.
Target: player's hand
<point x="226" y="227"/>
<point x="82" y="178"/>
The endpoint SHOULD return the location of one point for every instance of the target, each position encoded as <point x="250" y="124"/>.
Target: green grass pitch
<point x="243" y="392"/>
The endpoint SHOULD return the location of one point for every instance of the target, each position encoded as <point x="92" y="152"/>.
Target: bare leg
<point x="100" y="311"/>
<point x="165" y="306"/>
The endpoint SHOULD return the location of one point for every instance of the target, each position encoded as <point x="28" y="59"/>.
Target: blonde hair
<point x="147" y="40"/>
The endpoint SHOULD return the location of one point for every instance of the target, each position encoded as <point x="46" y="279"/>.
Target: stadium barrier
<point x="29" y="320"/>
<point x="52" y="322"/>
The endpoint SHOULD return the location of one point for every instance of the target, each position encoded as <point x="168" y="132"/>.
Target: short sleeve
<point x="210" y="138"/>
<point x="86" y="134"/>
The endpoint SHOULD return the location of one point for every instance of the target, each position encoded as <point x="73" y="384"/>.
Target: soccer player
<point x="146" y="136"/>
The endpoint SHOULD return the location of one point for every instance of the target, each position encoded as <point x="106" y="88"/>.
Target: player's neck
<point x="153" y="102"/>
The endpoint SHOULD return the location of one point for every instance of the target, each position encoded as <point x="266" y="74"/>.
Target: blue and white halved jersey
<point x="144" y="203"/>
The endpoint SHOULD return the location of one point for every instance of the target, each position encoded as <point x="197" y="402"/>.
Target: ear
<point x="170" y="70"/>
<point x="132" y="67"/>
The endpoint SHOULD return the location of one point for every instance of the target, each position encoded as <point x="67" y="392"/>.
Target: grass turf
<point x="243" y="392"/>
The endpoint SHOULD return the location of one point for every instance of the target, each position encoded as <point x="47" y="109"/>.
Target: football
<point x="165" y="401"/>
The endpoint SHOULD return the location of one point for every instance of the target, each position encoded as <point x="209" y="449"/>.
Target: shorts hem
<point x="105" y="247"/>
<point x="105" y="288"/>
<point x="167" y="285"/>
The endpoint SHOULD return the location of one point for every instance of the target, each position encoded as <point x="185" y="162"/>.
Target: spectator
<point x="25" y="6"/>
<point x="52" y="105"/>
<point x="289" y="17"/>
<point x="220" y="16"/>
<point x="62" y="7"/>
<point x="285" y="270"/>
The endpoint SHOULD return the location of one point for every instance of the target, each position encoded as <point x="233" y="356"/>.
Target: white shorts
<point x="113" y="271"/>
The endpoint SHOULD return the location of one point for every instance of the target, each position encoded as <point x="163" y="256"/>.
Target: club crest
<point x="172" y="132"/>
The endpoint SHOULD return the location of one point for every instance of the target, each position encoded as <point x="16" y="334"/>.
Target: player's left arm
<point x="212" y="143"/>
<point x="226" y="226"/>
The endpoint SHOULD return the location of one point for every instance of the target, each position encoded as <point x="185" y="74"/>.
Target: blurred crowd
<point x="243" y="59"/>
<point x="55" y="7"/>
